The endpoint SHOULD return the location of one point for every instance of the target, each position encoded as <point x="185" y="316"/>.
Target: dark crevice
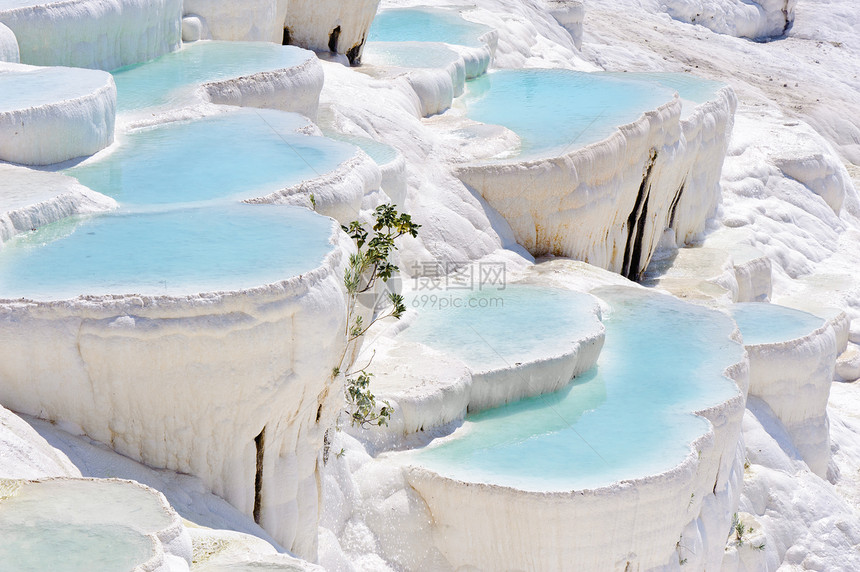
<point x="319" y="413"/>
<point x="636" y="223"/>
<point x="287" y="37"/>
<point x="636" y="267"/>
<point x="674" y="205"/>
<point x="333" y="38"/>
<point x="260" y="444"/>
<point x="353" y="54"/>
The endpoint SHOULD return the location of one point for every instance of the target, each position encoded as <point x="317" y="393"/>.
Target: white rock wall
<point x="104" y="34"/>
<point x="8" y="45"/>
<point x="312" y="24"/>
<point x="61" y="130"/>
<point x="794" y="379"/>
<point x="189" y="383"/>
<point x="338" y="194"/>
<point x="24" y="454"/>
<point x="249" y="20"/>
<point x="570" y="14"/>
<point x="754" y="19"/>
<point x="294" y="89"/>
<point x="580" y="204"/>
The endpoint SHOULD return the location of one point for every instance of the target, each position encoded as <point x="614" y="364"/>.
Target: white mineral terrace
<point x="104" y="34"/>
<point x="470" y="351"/>
<point x="792" y="357"/>
<point x="32" y="199"/>
<point x="173" y="304"/>
<point x="606" y="201"/>
<point x="437" y="48"/>
<point x="49" y="115"/>
<point x="521" y="486"/>
<point x="83" y="287"/>
<point x="247" y="74"/>
<point x="89" y="524"/>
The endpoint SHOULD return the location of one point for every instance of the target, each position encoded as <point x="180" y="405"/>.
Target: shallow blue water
<point x="629" y="417"/>
<point x="78" y="526"/>
<point x="761" y="323"/>
<point x="409" y="54"/>
<point x="425" y="25"/>
<point x="554" y="111"/>
<point x="689" y="87"/>
<point x="381" y="153"/>
<point x="46" y="85"/>
<point x="241" y="154"/>
<point x="493" y="329"/>
<point x="71" y="548"/>
<point x="171" y="78"/>
<point x="167" y="252"/>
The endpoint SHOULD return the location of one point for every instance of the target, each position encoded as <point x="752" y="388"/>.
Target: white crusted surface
<point x="570" y="14"/>
<point x="188" y="383"/>
<point x="742" y="272"/>
<point x="24" y="454"/>
<point x="8" y="45"/>
<point x="31" y="199"/>
<point x="104" y="34"/>
<point x="747" y="19"/>
<point x="185" y="493"/>
<point x="293" y="89"/>
<point x="426" y="387"/>
<point x="457" y="226"/>
<point x="794" y="378"/>
<point x="802" y="520"/>
<point x="227" y="551"/>
<point x="79" y="122"/>
<point x="250" y="20"/>
<point x="848" y="363"/>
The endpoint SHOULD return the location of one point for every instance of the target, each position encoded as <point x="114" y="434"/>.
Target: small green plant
<point x="370" y="264"/>
<point x="741" y="533"/>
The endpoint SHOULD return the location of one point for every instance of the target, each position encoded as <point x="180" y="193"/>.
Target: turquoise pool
<point x="177" y="251"/>
<point x="494" y="329"/>
<point x="762" y="323"/>
<point x="241" y="154"/>
<point x="43" y="86"/>
<point x="629" y="417"/>
<point x="172" y="78"/>
<point x="425" y="25"/>
<point x="559" y="110"/>
<point x="409" y="54"/>
<point x="381" y="153"/>
<point x="689" y="87"/>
